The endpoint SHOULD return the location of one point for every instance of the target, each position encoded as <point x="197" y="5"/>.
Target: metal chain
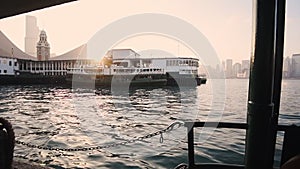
<point x="171" y="127"/>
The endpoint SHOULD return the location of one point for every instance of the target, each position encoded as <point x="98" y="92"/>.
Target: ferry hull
<point x="176" y="79"/>
<point x="116" y="80"/>
<point x="108" y="80"/>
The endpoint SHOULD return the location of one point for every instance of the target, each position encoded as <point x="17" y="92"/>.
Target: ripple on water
<point x="68" y="118"/>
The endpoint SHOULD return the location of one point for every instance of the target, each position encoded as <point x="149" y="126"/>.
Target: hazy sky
<point x="227" y="24"/>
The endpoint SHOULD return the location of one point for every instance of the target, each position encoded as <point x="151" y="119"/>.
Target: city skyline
<point x="227" y="26"/>
<point x="232" y="69"/>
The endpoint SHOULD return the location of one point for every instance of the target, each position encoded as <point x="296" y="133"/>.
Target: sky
<point x="227" y="24"/>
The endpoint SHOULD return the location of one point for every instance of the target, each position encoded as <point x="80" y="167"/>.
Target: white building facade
<point x="8" y="66"/>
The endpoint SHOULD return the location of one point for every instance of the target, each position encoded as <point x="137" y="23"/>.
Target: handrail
<point x="217" y="124"/>
<point x="291" y="131"/>
<point x="232" y="125"/>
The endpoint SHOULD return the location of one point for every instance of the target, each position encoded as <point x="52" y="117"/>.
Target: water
<point x="67" y="118"/>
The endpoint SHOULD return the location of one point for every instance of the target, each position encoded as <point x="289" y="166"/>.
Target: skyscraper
<point x="246" y="68"/>
<point x="31" y="35"/>
<point x="229" y="68"/>
<point x="286" y="72"/>
<point x="296" y="65"/>
<point x="237" y="68"/>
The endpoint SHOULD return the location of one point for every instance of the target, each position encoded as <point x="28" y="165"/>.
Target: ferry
<point x="171" y="71"/>
<point x="116" y="75"/>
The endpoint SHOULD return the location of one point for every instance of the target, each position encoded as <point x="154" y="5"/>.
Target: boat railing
<point x="135" y="71"/>
<point x="188" y="71"/>
<point x="290" y="148"/>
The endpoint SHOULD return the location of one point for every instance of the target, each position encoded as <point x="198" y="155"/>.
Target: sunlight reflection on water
<point x="64" y="117"/>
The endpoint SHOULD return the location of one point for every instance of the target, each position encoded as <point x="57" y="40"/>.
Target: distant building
<point x="245" y="68"/>
<point x="237" y="68"/>
<point x="286" y="70"/>
<point x="223" y="66"/>
<point x="295" y="66"/>
<point x="43" y="47"/>
<point x="31" y="35"/>
<point x="218" y="68"/>
<point x="229" y="68"/>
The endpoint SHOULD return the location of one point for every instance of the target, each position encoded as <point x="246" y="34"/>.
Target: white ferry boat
<point x="136" y="70"/>
<point x="116" y="75"/>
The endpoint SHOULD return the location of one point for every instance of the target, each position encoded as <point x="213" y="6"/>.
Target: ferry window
<point x="16" y="63"/>
<point x="9" y="63"/>
<point x="0" y="70"/>
<point x="4" y="71"/>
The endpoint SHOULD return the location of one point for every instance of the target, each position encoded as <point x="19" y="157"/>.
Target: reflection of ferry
<point x="133" y="69"/>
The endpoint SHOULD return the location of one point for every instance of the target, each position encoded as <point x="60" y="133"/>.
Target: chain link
<point x="170" y="128"/>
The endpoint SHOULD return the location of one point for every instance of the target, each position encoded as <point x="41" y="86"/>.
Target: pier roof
<point x="9" y="49"/>
<point x="78" y="53"/>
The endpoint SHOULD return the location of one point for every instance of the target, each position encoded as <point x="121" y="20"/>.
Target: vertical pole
<point x="279" y="47"/>
<point x="260" y="97"/>
<point x="191" y="152"/>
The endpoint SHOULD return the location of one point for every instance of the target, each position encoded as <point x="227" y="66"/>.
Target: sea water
<point x="66" y="117"/>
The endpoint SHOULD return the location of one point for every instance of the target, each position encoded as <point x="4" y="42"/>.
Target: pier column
<point x="52" y="68"/>
<point x="44" y="68"/>
<point x="30" y="66"/>
<point x="260" y="96"/>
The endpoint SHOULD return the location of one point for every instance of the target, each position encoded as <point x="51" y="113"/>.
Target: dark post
<point x="3" y="148"/>
<point x="260" y="97"/>
<point x="7" y="142"/>
<point x="279" y="46"/>
<point x="191" y="155"/>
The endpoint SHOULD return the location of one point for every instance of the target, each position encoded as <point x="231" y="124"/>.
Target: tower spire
<point x="43" y="47"/>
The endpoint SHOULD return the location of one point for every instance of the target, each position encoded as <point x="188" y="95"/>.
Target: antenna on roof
<point x="12" y="52"/>
<point x="178" y="45"/>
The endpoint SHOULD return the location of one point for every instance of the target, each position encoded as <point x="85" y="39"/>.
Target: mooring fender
<point x="7" y="144"/>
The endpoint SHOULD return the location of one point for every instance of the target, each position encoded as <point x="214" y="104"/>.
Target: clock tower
<point x="43" y="47"/>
